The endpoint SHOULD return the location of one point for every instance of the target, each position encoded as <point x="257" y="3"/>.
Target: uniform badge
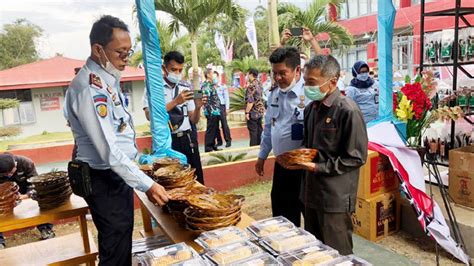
<point x="301" y="105"/>
<point x="122" y="126"/>
<point x="109" y="90"/>
<point x="95" y="80"/>
<point x="114" y="97"/>
<point x="101" y="109"/>
<point x="100" y="98"/>
<point x="328" y="120"/>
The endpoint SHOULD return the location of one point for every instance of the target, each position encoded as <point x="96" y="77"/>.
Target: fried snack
<point x="297" y="156"/>
<point x="182" y="193"/>
<point x="167" y="171"/>
<point x="147" y="169"/>
<point x="216" y="202"/>
<point x="232" y="255"/>
<point x="180" y="256"/>
<point x="165" y="161"/>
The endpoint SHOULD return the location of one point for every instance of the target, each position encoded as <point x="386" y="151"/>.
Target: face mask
<point x="215" y="80"/>
<point x="173" y="77"/>
<point x="110" y="68"/>
<point x="303" y="62"/>
<point x="363" y="76"/>
<point x="314" y="92"/>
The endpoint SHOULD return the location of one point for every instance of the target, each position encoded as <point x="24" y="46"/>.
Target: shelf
<point x="64" y="250"/>
<point x="450" y="12"/>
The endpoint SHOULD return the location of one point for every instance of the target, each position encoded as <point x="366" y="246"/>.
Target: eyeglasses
<point x="124" y="54"/>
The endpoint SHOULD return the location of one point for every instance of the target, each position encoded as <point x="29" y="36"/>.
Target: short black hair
<point x="217" y="73"/>
<point x="253" y="72"/>
<point x="326" y="63"/>
<point x="102" y="29"/>
<point x="207" y="72"/>
<point x="174" y="56"/>
<point x="7" y="162"/>
<point x="288" y="55"/>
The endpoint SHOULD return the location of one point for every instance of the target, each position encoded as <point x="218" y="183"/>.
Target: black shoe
<point x="219" y="144"/>
<point x="47" y="234"/>
<point x="207" y="150"/>
<point x="228" y="144"/>
<point x="215" y="148"/>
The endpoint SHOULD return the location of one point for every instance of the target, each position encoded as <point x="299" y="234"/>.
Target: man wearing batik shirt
<point x="255" y="108"/>
<point x="212" y="110"/>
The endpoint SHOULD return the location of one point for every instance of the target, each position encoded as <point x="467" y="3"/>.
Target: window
<point x="363" y="7"/>
<point x="127" y="94"/>
<point x="373" y="6"/>
<point x="353" y="8"/>
<point x="24" y="113"/>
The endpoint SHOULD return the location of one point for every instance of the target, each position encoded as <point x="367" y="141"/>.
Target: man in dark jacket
<point x="18" y="169"/>
<point x="334" y="125"/>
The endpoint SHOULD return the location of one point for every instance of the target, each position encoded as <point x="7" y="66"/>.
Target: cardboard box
<point x="378" y="217"/>
<point x="376" y="176"/>
<point x="461" y="175"/>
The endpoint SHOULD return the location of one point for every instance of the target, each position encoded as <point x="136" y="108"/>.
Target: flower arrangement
<point x="412" y="105"/>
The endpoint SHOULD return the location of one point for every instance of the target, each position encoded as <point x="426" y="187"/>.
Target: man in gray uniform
<point x="283" y="131"/>
<point x="105" y="138"/>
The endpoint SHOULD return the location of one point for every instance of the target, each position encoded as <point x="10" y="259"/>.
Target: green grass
<point x="257" y="199"/>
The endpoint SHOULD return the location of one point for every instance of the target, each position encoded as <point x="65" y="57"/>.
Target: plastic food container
<point x="271" y="226"/>
<point x="309" y="256"/>
<point x="178" y="254"/>
<point x="232" y="253"/>
<point x="221" y="237"/>
<point x="259" y="260"/>
<point x="290" y="240"/>
<point x="350" y="260"/>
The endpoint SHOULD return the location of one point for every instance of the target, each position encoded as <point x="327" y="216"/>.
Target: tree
<point x="191" y="14"/>
<point x="168" y="41"/>
<point x="315" y="18"/>
<point x="225" y="158"/>
<point x="248" y="62"/>
<point x="17" y="43"/>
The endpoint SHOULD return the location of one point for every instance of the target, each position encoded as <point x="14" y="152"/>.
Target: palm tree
<point x="248" y="62"/>
<point x="191" y="14"/>
<point x="168" y="41"/>
<point x="315" y="18"/>
<point x="225" y="158"/>
<point x="237" y="100"/>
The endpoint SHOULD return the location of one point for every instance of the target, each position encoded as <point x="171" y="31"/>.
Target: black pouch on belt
<point x="80" y="178"/>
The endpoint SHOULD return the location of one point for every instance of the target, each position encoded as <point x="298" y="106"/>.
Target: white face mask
<point x="173" y="77"/>
<point x="110" y="68"/>
<point x="303" y="62"/>
<point x="290" y="87"/>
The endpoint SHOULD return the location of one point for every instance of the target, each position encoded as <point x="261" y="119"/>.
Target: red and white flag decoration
<point x="383" y="138"/>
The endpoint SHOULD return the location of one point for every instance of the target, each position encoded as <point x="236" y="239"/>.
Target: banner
<point x="219" y="40"/>
<point x="252" y="34"/>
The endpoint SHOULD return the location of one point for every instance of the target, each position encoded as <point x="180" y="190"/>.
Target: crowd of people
<point x="302" y="106"/>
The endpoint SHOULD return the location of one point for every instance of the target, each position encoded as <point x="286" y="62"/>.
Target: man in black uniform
<point x="184" y="110"/>
<point x="18" y="169"/>
<point x="334" y="125"/>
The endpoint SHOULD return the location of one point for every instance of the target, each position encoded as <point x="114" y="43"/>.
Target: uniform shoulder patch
<point x="100" y="98"/>
<point x="101" y="109"/>
<point x="95" y="80"/>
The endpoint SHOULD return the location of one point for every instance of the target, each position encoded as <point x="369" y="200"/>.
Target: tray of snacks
<point x="263" y="259"/>
<point x="288" y="241"/>
<point x="308" y="256"/>
<point x="297" y="156"/>
<point x="221" y="237"/>
<point x="270" y="226"/>
<point x="177" y="254"/>
<point x="350" y="260"/>
<point x="233" y="253"/>
<point x="165" y="161"/>
<point x="216" y="203"/>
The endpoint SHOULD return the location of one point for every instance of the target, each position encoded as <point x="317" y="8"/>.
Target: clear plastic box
<point x="233" y="252"/>
<point x="350" y="260"/>
<point x="290" y="240"/>
<point x="177" y="254"/>
<point x="221" y="237"/>
<point x="270" y="226"/>
<point x="263" y="259"/>
<point x="313" y="257"/>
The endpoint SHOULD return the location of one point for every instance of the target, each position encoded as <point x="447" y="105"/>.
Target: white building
<point x="41" y="86"/>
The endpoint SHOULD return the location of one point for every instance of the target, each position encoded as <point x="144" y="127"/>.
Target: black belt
<point x="100" y="171"/>
<point x="181" y="134"/>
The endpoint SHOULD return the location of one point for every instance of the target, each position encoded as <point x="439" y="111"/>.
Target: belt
<point x="182" y="133"/>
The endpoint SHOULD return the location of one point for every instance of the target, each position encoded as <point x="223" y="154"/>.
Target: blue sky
<point x="66" y="23"/>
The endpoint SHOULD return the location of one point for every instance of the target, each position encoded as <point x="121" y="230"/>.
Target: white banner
<point x="219" y="40"/>
<point x="252" y="34"/>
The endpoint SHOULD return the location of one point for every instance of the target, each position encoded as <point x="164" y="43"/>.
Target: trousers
<point x="285" y="194"/>
<point x="255" y="131"/>
<point x="187" y="144"/>
<point x="111" y="207"/>
<point x="224" y="126"/>
<point x="334" y="229"/>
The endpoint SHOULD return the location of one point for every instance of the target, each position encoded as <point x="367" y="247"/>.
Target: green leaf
<point x="407" y="79"/>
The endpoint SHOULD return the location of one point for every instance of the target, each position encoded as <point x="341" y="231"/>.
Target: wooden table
<point x="71" y="249"/>
<point x="170" y="227"/>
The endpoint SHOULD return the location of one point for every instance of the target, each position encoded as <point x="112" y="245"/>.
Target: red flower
<point x="417" y="96"/>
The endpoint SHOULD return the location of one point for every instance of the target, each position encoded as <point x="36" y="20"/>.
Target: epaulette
<point x="95" y="81"/>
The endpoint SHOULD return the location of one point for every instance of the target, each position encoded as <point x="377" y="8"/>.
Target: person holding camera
<point x="184" y="108"/>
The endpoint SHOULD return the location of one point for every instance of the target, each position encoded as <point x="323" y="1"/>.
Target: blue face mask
<point x="363" y="76"/>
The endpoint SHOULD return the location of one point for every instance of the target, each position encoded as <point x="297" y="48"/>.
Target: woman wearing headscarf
<point x="364" y="91"/>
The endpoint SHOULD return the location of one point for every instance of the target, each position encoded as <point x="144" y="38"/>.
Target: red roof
<point x="52" y="72"/>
